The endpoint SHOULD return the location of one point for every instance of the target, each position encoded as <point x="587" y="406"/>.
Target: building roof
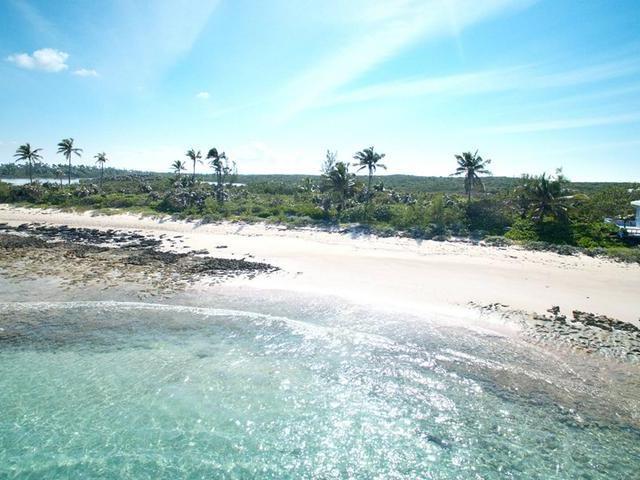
<point x="636" y="203"/>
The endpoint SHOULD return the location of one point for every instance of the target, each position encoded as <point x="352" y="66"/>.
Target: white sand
<point x="393" y="272"/>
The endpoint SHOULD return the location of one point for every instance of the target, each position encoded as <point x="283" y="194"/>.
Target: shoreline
<point x="501" y="290"/>
<point x="391" y="270"/>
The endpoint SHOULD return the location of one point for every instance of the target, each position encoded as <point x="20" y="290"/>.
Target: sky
<point x="532" y="85"/>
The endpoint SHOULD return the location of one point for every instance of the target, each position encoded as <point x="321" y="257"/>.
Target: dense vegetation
<point x="542" y="211"/>
<point x="58" y="171"/>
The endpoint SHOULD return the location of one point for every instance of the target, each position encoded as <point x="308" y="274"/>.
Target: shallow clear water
<point x="134" y="390"/>
<point x="24" y="181"/>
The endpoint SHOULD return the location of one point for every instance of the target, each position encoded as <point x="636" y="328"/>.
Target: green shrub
<point x="486" y="215"/>
<point x="552" y="247"/>
<point x="406" y="217"/>
<point x="554" y="231"/>
<point x="497" y="241"/>
<point x="211" y="218"/>
<point x="624" y="254"/>
<point x="5" y="192"/>
<point x="522" y="229"/>
<point x="595" y="234"/>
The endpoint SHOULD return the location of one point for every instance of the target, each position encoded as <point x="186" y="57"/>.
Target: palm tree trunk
<point x="101" y="175"/>
<point x="30" y="173"/>
<point x="69" y="170"/>
<point x="220" y="191"/>
<point x="369" y="186"/>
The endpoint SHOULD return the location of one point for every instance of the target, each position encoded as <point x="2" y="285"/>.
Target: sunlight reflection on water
<point x="130" y="390"/>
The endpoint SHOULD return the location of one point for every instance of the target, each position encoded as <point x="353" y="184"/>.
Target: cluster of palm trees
<point x="31" y="156"/>
<point x="218" y="161"/>
<point x="543" y="196"/>
<point x="341" y="181"/>
<point x="336" y="173"/>
<point x="337" y="179"/>
<point x="539" y="197"/>
<point x="471" y="165"/>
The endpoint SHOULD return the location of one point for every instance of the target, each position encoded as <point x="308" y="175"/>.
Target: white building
<point x="634" y="230"/>
<point x="637" y="205"/>
<point x="629" y="227"/>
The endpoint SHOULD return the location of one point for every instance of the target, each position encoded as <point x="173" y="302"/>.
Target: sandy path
<point x="393" y="272"/>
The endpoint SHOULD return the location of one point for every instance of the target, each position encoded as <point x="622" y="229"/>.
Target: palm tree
<point x="547" y="197"/>
<point x="195" y="157"/>
<point x="471" y="166"/>
<point x="178" y="167"/>
<point x="341" y="182"/>
<point x="24" y="153"/>
<point x="101" y="158"/>
<point x="369" y="159"/>
<point x="67" y="149"/>
<point x="220" y="164"/>
<point x="59" y="174"/>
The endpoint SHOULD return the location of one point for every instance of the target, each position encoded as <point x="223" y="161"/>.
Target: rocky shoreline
<point x="161" y="265"/>
<point x="582" y="331"/>
<point x="109" y="258"/>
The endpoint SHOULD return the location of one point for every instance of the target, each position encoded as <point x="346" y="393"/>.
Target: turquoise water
<point x="133" y="390"/>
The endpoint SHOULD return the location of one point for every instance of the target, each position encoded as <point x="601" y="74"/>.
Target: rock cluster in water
<point x="583" y="331"/>
<point x="109" y="258"/>
<point x="589" y="332"/>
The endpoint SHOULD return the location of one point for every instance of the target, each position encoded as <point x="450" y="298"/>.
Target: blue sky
<point x="533" y="85"/>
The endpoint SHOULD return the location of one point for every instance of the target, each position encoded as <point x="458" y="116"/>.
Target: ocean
<point x="242" y="383"/>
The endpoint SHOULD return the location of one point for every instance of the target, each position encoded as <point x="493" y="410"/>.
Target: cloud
<point x="203" y="95"/>
<point x="35" y="23"/>
<point x="84" y="72"/>
<point x="461" y="84"/>
<point x="564" y="124"/>
<point x="498" y="80"/>
<point x="46" y="59"/>
<point x="140" y="55"/>
<point x="590" y="147"/>
<point x="387" y="29"/>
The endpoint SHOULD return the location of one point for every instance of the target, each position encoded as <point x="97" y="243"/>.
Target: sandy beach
<point x="394" y="273"/>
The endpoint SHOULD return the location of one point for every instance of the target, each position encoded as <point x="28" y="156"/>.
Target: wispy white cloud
<point x="203" y="95"/>
<point x="46" y="59"/>
<point x="149" y="36"/>
<point x="564" y="124"/>
<point x="389" y="28"/>
<point x="38" y="25"/>
<point x="526" y="77"/>
<point x="461" y="84"/>
<point x="590" y="147"/>
<point x="85" y="72"/>
<point x="588" y="74"/>
<point x="604" y="93"/>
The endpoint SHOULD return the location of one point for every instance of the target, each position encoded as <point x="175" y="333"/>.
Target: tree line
<point x="531" y="208"/>
<point x="32" y="156"/>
